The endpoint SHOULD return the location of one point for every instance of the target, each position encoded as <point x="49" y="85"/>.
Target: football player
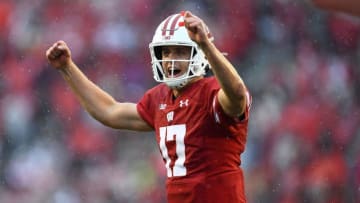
<point x="200" y="122"/>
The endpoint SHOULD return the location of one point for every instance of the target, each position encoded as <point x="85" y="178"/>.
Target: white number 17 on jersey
<point x="169" y="133"/>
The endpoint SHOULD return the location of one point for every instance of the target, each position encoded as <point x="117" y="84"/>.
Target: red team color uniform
<point x="200" y="144"/>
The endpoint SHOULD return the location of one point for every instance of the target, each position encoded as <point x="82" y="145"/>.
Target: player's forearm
<point x="230" y="81"/>
<point x="92" y="98"/>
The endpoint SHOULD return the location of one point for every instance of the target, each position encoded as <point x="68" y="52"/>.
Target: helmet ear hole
<point x="195" y="52"/>
<point x="157" y="51"/>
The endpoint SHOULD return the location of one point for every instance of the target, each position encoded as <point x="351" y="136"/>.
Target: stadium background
<point x="301" y="65"/>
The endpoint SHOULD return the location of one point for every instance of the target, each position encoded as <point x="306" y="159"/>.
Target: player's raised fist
<point x="197" y="29"/>
<point x="59" y="55"/>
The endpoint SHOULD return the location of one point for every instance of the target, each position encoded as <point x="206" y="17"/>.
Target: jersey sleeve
<point x="145" y="109"/>
<point x="221" y="117"/>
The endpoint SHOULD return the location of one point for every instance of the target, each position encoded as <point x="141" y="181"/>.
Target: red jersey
<point x="199" y="143"/>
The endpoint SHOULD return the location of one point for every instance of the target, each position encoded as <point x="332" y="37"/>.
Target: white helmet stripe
<point x="164" y="28"/>
<point x="173" y="24"/>
<point x="170" y="24"/>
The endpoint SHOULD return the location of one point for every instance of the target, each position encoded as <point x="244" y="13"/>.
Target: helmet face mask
<point x="172" y="32"/>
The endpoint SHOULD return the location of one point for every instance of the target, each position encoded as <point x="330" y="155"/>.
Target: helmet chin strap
<point x="177" y="84"/>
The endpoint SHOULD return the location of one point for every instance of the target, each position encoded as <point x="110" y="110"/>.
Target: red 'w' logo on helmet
<point x="170" y="25"/>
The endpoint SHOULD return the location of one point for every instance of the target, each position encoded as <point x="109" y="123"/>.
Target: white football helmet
<point x="172" y="32"/>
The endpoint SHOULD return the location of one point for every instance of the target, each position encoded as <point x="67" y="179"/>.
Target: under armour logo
<point x="170" y="116"/>
<point x="184" y="103"/>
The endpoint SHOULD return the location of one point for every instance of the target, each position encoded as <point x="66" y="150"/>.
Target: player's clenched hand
<point x="59" y="55"/>
<point x="197" y="29"/>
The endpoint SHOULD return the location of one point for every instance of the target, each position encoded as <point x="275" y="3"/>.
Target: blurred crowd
<point x="301" y="65"/>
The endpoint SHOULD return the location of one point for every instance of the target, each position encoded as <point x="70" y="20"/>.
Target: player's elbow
<point x="239" y="94"/>
<point x="239" y="99"/>
<point x="234" y="104"/>
<point x="102" y="115"/>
